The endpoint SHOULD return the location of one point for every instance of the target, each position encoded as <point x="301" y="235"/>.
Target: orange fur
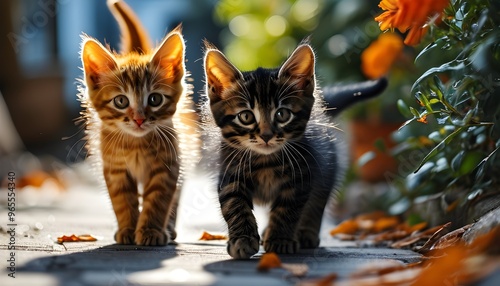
<point x="138" y="116"/>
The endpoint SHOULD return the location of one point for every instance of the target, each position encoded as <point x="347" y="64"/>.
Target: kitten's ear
<point x="220" y="74"/>
<point x="96" y="59"/>
<point x="170" y="56"/>
<point x="299" y="66"/>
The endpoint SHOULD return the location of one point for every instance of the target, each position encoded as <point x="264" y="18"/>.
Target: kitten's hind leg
<point x="310" y="220"/>
<point x="280" y="236"/>
<point x="172" y="219"/>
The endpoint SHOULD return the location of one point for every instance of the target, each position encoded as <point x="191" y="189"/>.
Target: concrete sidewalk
<point x="84" y="209"/>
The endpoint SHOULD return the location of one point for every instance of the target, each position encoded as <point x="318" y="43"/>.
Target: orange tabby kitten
<point x="136" y="115"/>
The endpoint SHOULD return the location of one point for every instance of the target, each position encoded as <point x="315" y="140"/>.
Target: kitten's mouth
<point x="136" y="130"/>
<point x="266" y="149"/>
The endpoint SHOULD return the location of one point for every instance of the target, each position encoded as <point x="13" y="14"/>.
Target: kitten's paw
<point x="308" y="239"/>
<point x="281" y="245"/>
<point x="151" y="237"/>
<point x="171" y="231"/>
<point x="242" y="247"/>
<point x="125" y="236"/>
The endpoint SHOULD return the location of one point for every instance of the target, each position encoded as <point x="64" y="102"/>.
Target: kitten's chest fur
<point x="137" y="154"/>
<point x="266" y="182"/>
<point x="265" y="176"/>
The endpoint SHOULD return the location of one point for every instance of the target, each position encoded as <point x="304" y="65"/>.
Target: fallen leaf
<point x="410" y="240"/>
<point x="391" y="235"/>
<point x="345" y="237"/>
<point x="372" y="216"/>
<point x="37" y="179"/>
<point x="418" y="226"/>
<point x="434" y="237"/>
<point x="76" y="238"/>
<point x="208" y="236"/>
<point x="378" y="267"/>
<point x="442" y="268"/>
<point x="386" y="223"/>
<point x="323" y="281"/>
<point x="267" y="261"/>
<point x="450" y="238"/>
<point x="345" y="227"/>
<point x="296" y="269"/>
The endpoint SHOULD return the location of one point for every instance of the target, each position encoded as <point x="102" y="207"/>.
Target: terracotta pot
<point x="364" y="134"/>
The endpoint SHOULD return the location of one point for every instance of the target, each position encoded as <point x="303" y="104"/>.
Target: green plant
<point x="458" y="119"/>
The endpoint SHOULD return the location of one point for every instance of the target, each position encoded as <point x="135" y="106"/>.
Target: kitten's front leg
<point x="122" y="190"/>
<point x="236" y="206"/>
<point x="280" y="235"/>
<point x="159" y="192"/>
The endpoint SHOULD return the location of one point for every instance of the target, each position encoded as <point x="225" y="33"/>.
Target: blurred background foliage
<point x="267" y="31"/>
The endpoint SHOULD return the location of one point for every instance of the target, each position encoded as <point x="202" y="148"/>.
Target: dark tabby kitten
<point x="277" y="148"/>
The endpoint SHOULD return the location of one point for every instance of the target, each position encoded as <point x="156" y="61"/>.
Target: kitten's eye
<point x="155" y="99"/>
<point x="283" y="115"/>
<point x="246" y="117"/>
<point x="121" y="101"/>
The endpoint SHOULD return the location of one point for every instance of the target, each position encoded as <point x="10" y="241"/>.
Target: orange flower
<point x="377" y="59"/>
<point x="410" y="15"/>
<point x="423" y="119"/>
<point x="386" y="19"/>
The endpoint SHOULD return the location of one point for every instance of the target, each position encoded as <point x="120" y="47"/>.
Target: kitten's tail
<point x="134" y="36"/>
<point x="339" y="97"/>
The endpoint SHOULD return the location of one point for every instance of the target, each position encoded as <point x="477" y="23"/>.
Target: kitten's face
<point x="264" y="109"/>
<point x="135" y="93"/>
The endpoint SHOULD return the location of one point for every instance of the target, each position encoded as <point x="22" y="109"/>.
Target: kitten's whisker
<point x="234" y="153"/>
<point x="165" y="132"/>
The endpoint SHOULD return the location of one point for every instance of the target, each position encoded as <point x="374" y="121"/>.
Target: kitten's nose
<point x="266" y="136"/>
<point x="139" y="121"/>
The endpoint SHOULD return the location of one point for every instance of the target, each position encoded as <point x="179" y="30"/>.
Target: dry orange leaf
<point x="450" y="238"/>
<point x="76" y="238"/>
<point x="378" y="267"/>
<point x="346" y="227"/>
<point x="208" y="236"/>
<point x="386" y="223"/>
<point x="269" y="260"/>
<point x="371" y="216"/>
<point x="418" y="227"/>
<point x="442" y="267"/>
<point x="324" y="281"/>
<point x="391" y="235"/>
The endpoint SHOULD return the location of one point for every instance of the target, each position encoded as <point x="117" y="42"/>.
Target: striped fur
<point x="136" y="110"/>
<point x="277" y="148"/>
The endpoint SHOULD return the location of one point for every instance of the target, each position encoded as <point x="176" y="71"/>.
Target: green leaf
<point x="414" y="112"/>
<point x="470" y="162"/>
<point x="423" y="99"/>
<point x="456" y="162"/>
<point x="439" y="146"/>
<point x="380" y="145"/>
<point x="450" y="66"/>
<point x="430" y="47"/>
<point x="365" y="158"/>
<point x="403" y="108"/>
<point x="414" y="218"/>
